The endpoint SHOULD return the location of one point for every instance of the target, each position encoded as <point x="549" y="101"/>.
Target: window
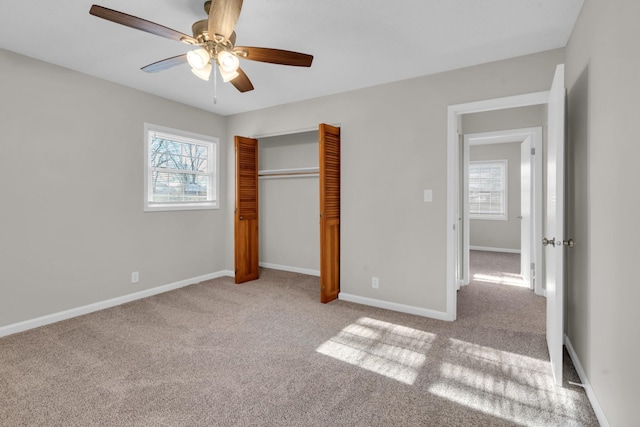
<point x="488" y="189"/>
<point x="181" y="170"/>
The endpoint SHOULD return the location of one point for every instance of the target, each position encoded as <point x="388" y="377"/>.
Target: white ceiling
<point x="355" y="43"/>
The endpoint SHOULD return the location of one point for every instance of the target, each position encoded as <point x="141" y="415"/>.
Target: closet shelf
<point x="289" y="173"/>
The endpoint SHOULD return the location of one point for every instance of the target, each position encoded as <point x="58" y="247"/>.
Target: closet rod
<point x="284" y="173"/>
<point x="289" y="175"/>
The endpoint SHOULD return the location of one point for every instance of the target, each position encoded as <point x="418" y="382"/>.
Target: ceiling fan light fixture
<point x="228" y="62"/>
<point x="198" y="59"/>
<point x="203" y="73"/>
<point x="228" y="76"/>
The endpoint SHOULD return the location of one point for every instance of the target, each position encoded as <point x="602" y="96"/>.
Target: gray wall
<point x="496" y="233"/>
<point x="394" y="147"/>
<point x="289" y="207"/>
<point x="603" y="84"/>
<point x="73" y="227"/>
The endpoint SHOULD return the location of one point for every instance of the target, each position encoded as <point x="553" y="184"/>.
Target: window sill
<point x="489" y="218"/>
<point x="181" y="207"/>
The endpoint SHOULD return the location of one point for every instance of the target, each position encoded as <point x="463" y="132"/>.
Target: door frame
<point x="454" y="131"/>
<point x="529" y="138"/>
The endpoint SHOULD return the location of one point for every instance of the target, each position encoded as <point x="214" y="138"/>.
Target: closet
<point x="288" y="175"/>
<point x="287" y="213"/>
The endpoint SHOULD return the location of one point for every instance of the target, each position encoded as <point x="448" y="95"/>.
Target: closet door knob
<point x="241" y="217"/>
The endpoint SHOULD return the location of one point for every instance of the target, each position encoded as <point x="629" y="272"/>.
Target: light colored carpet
<point x="267" y="353"/>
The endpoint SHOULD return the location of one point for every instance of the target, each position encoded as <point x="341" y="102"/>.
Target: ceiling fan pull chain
<point x="215" y="85"/>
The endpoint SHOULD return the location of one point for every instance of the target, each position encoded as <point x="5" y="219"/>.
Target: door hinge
<point x="533" y="151"/>
<point x="533" y="265"/>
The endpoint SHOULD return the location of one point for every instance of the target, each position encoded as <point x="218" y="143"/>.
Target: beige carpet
<point x="267" y="353"/>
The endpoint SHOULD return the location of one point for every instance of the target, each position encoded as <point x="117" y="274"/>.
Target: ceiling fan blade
<point x="140" y="24"/>
<point x="274" y="56"/>
<point x="223" y="16"/>
<point x="165" y="64"/>
<point x="242" y="82"/>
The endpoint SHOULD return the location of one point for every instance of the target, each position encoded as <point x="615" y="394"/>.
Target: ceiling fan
<point x="216" y="39"/>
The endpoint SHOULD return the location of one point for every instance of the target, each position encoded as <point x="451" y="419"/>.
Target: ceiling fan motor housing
<point x="200" y="30"/>
<point x="207" y="6"/>
<point x="214" y="46"/>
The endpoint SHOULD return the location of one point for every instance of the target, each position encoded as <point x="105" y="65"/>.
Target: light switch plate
<point x="428" y="195"/>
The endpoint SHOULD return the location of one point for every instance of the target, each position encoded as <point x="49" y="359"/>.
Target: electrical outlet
<point x="375" y="282"/>
<point x="135" y="277"/>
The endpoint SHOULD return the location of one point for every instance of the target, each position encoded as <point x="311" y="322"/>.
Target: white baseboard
<point x="291" y="269"/>
<point x="79" y="311"/>
<point x="595" y="404"/>
<point x="418" y="311"/>
<point x="488" y="249"/>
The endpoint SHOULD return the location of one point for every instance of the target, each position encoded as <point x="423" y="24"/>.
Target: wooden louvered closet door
<point x="246" y="212"/>
<point x="329" y="141"/>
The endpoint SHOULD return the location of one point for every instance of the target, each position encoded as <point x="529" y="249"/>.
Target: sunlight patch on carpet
<point x="501" y="279"/>
<point x="395" y="351"/>
<point x="507" y="385"/>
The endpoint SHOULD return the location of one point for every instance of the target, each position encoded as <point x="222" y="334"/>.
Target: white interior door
<point x="525" y="210"/>
<point x="554" y="233"/>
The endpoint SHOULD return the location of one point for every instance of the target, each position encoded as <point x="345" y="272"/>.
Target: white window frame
<point x="212" y="143"/>
<point x="504" y="164"/>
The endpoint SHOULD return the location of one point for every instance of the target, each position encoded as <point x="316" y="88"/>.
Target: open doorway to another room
<point x="553" y="102"/>
<point x="501" y="193"/>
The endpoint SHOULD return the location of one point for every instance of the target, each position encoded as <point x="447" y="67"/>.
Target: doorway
<point x="523" y="148"/>
<point x="554" y="215"/>
<point x="454" y="211"/>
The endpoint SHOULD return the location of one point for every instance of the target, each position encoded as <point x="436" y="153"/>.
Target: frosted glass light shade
<point x="228" y="76"/>
<point x="198" y="59"/>
<point x="228" y="62"/>
<point x="203" y="73"/>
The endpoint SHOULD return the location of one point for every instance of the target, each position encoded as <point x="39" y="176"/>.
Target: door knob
<point x="519" y="217"/>
<point x="551" y="242"/>
<point x="569" y="243"/>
